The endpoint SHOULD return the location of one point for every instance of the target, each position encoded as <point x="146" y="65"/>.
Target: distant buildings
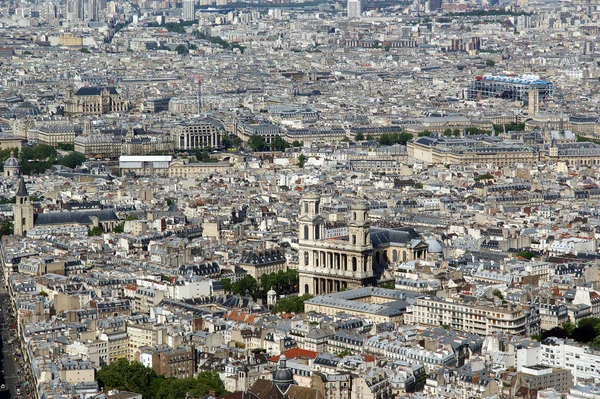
<point x="508" y="87"/>
<point x="354" y="8"/>
<point x="189" y="10"/>
<point x="94" y="101"/>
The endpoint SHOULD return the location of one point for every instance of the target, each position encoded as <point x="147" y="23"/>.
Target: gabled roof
<point x="95" y="91"/>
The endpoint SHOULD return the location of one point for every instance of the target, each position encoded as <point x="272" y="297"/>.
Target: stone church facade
<point x="363" y="258"/>
<point x="95" y="100"/>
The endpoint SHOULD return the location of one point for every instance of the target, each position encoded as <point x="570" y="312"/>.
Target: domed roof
<point x="12" y="162"/>
<point x="282" y="376"/>
<point x="435" y="247"/>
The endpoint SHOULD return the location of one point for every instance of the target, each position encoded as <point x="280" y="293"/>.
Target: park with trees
<point x="129" y="376"/>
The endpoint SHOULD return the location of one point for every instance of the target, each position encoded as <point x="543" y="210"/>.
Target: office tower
<point x="189" y="10"/>
<point x="534" y="102"/>
<point x="354" y="8"/>
<point x="93" y="10"/>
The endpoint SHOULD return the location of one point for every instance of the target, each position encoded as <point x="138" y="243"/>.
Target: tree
<point x="297" y="144"/>
<point x="569" y="327"/>
<point x="389" y="285"/>
<point x="282" y="282"/>
<point x="6" y="228"/>
<point x="527" y="255"/>
<point x="447" y="132"/>
<point x="557" y="332"/>
<point x="44" y="151"/>
<point x="456" y="132"/>
<point x="292" y="304"/>
<point x="72" y="160"/>
<point x="279" y="144"/>
<point x="95" y="231"/>
<point x="133" y="376"/>
<point x="84" y="50"/>
<point x="344" y="353"/>
<point x="346" y="140"/>
<point x="584" y="334"/>
<point x="395" y="138"/>
<point x="258" y="143"/>
<point x="359" y="137"/>
<point x="225" y="141"/>
<point x="425" y="133"/>
<point x="226" y="283"/>
<point x="490" y="63"/>
<point x="247" y="284"/>
<point x="370" y="138"/>
<point x="301" y="160"/>
<point x="498" y="294"/>
<point x="66" y="146"/>
<point x="119" y="229"/>
<point x="182" y="49"/>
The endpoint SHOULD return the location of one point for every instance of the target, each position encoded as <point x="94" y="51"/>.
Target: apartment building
<point x="582" y="361"/>
<point x="476" y="317"/>
<point x="372" y="385"/>
<point x="117" y="345"/>
<point x="141" y="335"/>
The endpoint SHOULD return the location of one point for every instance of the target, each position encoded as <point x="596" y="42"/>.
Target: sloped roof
<point x="95" y="91"/>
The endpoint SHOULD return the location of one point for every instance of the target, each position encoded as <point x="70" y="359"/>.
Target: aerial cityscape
<point x="299" y="199"/>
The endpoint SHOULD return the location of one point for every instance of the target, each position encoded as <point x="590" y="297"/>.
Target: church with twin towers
<point x="360" y="255"/>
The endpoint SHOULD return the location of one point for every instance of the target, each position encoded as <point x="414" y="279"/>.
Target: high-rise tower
<point x="189" y="10"/>
<point x="534" y="102"/>
<point x="354" y="8"/>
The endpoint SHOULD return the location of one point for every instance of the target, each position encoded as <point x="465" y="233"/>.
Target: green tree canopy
<point x="247" y="283"/>
<point x="134" y="377"/>
<point x="72" y="160"/>
<point x="394" y="138"/>
<point x="291" y="305"/>
<point x="279" y="144"/>
<point x="301" y="160"/>
<point x="359" y="137"/>
<point x="226" y="283"/>
<point x="258" y="143"/>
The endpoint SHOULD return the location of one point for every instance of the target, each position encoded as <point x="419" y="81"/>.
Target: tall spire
<point x="22" y="188"/>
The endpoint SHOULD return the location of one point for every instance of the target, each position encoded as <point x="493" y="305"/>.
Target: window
<point x="306" y="232"/>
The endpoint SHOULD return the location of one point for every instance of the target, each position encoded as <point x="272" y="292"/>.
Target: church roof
<point x="69" y="218"/>
<point x="95" y="91"/>
<point x="401" y="235"/>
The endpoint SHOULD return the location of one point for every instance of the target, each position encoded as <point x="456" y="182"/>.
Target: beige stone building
<point x="478" y="318"/>
<point x="141" y="335"/>
<point x="95" y="100"/>
<point x="468" y="151"/>
<point x="183" y="168"/>
<point x="257" y="263"/>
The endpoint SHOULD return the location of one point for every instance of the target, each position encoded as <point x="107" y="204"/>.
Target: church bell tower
<point x="23" y="210"/>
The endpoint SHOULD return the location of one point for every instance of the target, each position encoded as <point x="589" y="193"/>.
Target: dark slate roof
<point x="262" y="257"/>
<point x="401" y="235"/>
<point x="95" y="91"/>
<point x="83" y="217"/>
<point x="22" y="188"/>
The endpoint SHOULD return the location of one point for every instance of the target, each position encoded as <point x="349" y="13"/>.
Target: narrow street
<point x="11" y="374"/>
